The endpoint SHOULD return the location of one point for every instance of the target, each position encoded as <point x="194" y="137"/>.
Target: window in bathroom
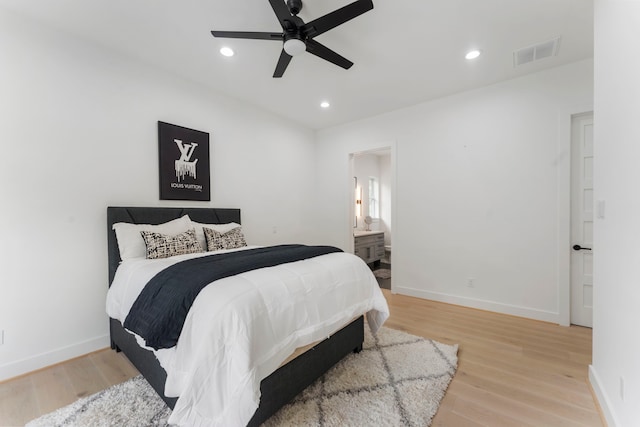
<point x="374" y="198"/>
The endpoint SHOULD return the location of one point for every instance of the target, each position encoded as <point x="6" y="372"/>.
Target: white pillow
<point x="131" y="243"/>
<point x="220" y="228"/>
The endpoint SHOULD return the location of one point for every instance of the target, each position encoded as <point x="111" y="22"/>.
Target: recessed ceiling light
<point x="226" y="51"/>
<point x="473" y="54"/>
<point x="325" y="104"/>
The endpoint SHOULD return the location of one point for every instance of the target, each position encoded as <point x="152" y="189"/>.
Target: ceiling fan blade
<point x="283" y="62"/>
<point x="281" y="10"/>
<point x="335" y="18"/>
<point x="248" y="35"/>
<point x="321" y="51"/>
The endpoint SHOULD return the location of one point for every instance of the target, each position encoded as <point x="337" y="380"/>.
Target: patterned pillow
<point x="230" y="240"/>
<point x="163" y="246"/>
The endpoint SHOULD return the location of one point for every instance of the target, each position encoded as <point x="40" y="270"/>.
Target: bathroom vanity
<point x="369" y="245"/>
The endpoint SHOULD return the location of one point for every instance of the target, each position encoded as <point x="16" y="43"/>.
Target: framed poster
<point x="184" y="163"/>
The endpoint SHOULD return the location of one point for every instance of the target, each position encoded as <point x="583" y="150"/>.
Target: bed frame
<point x="278" y="388"/>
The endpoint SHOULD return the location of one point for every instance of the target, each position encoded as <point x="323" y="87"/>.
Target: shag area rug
<point x="397" y="380"/>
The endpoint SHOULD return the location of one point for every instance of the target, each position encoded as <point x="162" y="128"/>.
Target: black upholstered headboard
<point x="154" y="215"/>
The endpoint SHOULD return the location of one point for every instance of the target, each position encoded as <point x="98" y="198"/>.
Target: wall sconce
<point x="358" y="201"/>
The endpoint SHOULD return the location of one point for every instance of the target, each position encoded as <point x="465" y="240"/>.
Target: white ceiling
<point x="405" y="51"/>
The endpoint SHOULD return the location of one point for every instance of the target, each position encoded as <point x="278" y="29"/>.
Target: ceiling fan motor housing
<point x="295" y="6"/>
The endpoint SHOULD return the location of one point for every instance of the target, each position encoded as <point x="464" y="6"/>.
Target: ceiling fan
<point x="297" y="37"/>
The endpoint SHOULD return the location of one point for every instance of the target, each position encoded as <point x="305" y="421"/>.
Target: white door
<point x="582" y="250"/>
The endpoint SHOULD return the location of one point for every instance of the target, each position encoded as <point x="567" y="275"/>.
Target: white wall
<point x="78" y="130"/>
<point x="616" y="315"/>
<point x="476" y="190"/>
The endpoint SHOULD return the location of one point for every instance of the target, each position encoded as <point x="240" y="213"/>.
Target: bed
<point x="276" y="389"/>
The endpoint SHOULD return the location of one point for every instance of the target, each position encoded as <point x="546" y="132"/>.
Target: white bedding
<point x="241" y="328"/>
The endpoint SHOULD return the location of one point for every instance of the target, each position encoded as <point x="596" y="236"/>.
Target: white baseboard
<point x="30" y="364"/>
<point x="602" y="397"/>
<point x="514" y="310"/>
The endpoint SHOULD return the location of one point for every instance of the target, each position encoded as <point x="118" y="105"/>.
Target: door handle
<point x="580" y="248"/>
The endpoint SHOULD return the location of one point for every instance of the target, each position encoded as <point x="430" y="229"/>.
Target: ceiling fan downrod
<point x="295" y="6"/>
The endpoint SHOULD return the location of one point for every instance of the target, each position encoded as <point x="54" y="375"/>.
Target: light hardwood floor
<point x="511" y="371"/>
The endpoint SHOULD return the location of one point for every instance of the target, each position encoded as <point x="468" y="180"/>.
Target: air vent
<point x="536" y="52"/>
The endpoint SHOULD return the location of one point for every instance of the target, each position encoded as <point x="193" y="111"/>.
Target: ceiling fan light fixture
<point x="294" y="46"/>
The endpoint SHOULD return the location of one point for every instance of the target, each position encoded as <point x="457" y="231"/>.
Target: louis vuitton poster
<point x="184" y="163"/>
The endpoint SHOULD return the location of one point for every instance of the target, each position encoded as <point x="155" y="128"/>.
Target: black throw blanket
<point x="160" y="311"/>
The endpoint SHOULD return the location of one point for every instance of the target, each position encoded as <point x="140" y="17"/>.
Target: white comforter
<point x="241" y="328"/>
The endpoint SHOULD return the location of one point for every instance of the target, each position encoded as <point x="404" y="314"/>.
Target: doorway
<point x="582" y="215"/>
<point x="371" y="214"/>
